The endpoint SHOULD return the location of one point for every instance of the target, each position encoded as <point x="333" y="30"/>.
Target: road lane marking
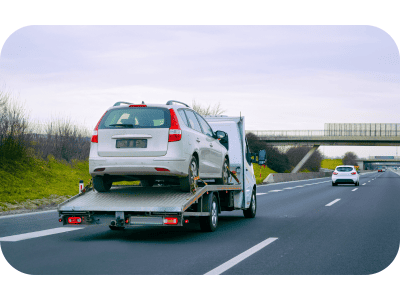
<point x="354" y="189"/>
<point x="237" y="259"/>
<point x="273" y="191"/>
<point x="31" y="235"/>
<point x="258" y="194"/>
<point x="289" y="188"/>
<point x="364" y="183"/>
<point x="370" y="180"/>
<point x="333" y="202"/>
<point x="27" y="214"/>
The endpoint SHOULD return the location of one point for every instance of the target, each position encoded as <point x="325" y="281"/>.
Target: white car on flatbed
<point x="165" y="142"/>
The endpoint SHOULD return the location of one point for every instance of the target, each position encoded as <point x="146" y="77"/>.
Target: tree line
<point x="21" y="139"/>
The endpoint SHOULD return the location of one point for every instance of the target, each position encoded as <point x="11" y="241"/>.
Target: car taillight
<point x="95" y="136"/>
<point x="170" y="221"/>
<point x="335" y="173"/>
<point x="175" y="132"/>
<point x="353" y="173"/>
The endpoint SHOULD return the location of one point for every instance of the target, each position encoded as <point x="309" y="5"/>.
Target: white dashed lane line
<point x="333" y="202"/>
<point x="354" y="189"/>
<point x="258" y="194"/>
<point x="364" y="183"/>
<point x="237" y="259"/>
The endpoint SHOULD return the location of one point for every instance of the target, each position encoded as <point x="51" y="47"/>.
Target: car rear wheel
<point x="188" y="183"/>
<point x="101" y="184"/>
<point x="334" y="184"/>
<point x="225" y="174"/>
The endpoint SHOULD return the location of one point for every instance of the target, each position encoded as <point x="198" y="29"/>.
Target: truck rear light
<point x="138" y="105"/>
<point x="60" y="220"/>
<point x="99" y="169"/>
<point x="170" y="221"/>
<point x="335" y="173"/>
<point x="74" y="220"/>
<point x="95" y="135"/>
<point x="175" y="132"/>
<point x="161" y="169"/>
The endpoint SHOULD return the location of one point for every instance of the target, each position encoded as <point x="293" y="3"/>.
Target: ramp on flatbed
<point x="130" y="198"/>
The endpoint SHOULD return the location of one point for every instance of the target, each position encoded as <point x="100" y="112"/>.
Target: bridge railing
<point x="323" y="133"/>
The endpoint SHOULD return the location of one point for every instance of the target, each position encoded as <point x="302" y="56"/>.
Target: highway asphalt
<point x="301" y="228"/>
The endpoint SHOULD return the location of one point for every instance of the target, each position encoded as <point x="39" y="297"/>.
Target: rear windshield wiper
<point x="122" y="125"/>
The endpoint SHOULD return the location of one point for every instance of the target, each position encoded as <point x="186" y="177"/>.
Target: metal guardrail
<point x="323" y="133"/>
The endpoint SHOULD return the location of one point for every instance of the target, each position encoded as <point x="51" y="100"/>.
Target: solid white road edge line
<point x="237" y="259"/>
<point x="31" y="235"/>
<point x="27" y="214"/>
<point x="333" y="202"/>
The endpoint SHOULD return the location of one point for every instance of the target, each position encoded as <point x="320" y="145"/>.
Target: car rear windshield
<point x="344" y="169"/>
<point x="136" y="117"/>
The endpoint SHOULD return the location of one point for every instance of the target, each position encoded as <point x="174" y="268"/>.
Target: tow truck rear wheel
<point x="210" y="223"/>
<point x="101" y="184"/>
<point x="147" y="182"/>
<point x="251" y="211"/>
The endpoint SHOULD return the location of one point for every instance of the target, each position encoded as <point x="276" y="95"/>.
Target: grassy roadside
<point x="264" y="172"/>
<point x="35" y="183"/>
<point x="331" y="163"/>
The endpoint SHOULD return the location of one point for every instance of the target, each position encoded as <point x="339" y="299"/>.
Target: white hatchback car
<point x="170" y="142"/>
<point x="345" y="174"/>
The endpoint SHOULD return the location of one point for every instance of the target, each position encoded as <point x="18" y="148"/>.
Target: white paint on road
<point x="364" y="183"/>
<point x="237" y="259"/>
<point x="27" y="214"/>
<point x="333" y="202"/>
<point x="273" y="191"/>
<point x="258" y="194"/>
<point x="36" y="234"/>
<point x="354" y="189"/>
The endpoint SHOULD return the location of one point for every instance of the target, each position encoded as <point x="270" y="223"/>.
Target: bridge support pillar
<point x="305" y="158"/>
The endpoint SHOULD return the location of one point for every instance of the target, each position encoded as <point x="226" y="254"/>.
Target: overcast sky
<point x="278" y="77"/>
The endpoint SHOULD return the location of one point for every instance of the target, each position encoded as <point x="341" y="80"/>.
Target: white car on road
<point x="168" y="142"/>
<point x="345" y="174"/>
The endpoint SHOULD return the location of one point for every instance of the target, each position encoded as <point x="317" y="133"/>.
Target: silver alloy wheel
<point x="193" y="172"/>
<point x="214" y="214"/>
<point x="225" y="173"/>
<point x="253" y="203"/>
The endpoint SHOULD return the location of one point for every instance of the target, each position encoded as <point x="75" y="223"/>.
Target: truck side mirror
<point x="262" y="157"/>
<point x="259" y="158"/>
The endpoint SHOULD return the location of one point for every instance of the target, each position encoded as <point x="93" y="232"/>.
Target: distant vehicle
<point x="380" y="170"/>
<point x="345" y="174"/>
<point x="148" y="142"/>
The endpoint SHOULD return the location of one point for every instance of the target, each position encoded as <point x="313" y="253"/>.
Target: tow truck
<point x="161" y="205"/>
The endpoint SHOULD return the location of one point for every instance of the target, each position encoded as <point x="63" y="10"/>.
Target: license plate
<point x="132" y="143"/>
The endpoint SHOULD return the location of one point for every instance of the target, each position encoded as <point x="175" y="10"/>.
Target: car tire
<point x="147" y="182"/>
<point x="116" y="227"/>
<point x="187" y="183"/>
<point x="251" y="211"/>
<point x="210" y="223"/>
<point x="334" y="184"/>
<point x="225" y="174"/>
<point x="101" y="184"/>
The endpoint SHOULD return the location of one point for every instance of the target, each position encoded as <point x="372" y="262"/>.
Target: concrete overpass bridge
<point x="334" y="134"/>
<point x="373" y="162"/>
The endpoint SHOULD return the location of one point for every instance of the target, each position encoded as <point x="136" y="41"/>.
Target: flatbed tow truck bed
<point x="134" y="205"/>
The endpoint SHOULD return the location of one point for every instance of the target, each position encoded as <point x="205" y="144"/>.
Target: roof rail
<point x="121" y="102"/>
<point x="172" y="101"/>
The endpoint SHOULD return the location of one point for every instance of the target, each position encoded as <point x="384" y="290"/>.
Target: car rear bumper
<point x="344" y="179"/>
<point x="139" y="166"/>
